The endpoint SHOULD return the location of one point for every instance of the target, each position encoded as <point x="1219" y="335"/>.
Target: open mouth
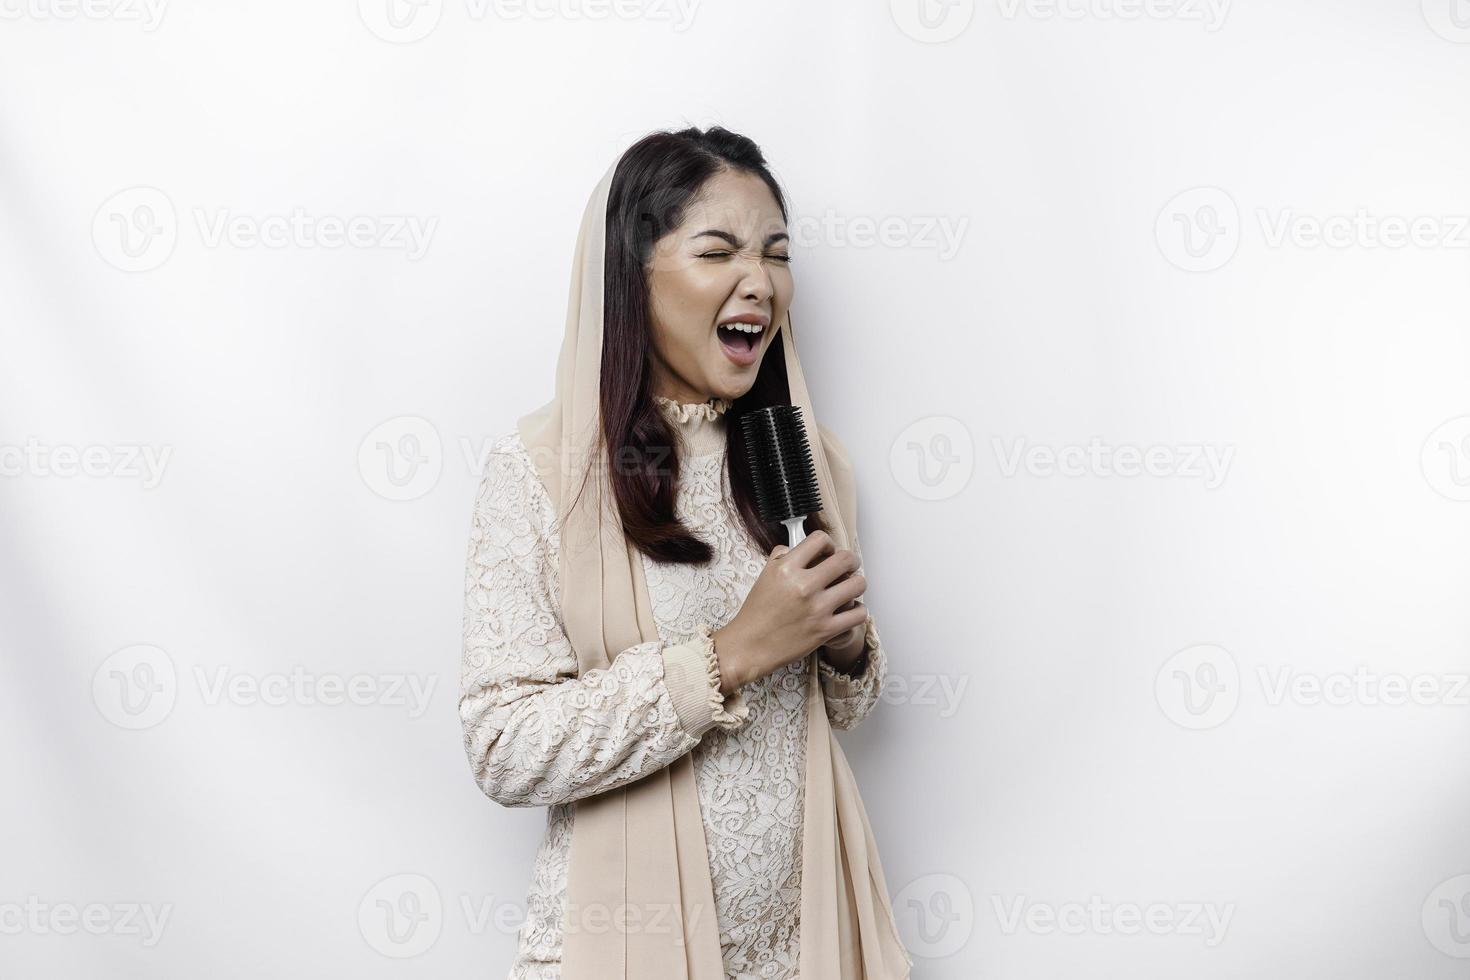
<point x="742" y="338"/>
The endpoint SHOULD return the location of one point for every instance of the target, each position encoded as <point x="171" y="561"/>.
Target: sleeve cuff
<point x="846" y="685"/>
<point x="692" y="675"/>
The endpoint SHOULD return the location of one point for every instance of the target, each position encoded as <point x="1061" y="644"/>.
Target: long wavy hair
<point x="654" y="182"/>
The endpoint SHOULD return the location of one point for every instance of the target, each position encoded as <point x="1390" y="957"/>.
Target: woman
<point x="638" y="643"/>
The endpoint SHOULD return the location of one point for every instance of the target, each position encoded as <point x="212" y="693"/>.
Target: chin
<point x="735" y="388"/>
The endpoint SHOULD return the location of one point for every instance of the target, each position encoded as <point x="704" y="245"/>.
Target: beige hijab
<point x="640" y="902"/>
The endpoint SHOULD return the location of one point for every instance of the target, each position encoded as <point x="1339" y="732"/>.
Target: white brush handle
<point x="795" y="533"/>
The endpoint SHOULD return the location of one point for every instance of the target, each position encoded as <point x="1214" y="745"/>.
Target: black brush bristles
<point x="780" y="463"/>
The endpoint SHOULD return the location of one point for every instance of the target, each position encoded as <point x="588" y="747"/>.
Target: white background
<point x="1085" y="700"/>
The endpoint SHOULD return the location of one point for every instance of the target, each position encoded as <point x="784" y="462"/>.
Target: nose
<point x="755" y="284"/>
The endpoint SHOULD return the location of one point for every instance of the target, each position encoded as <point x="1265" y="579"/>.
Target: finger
<point x="848" y="590"/>
<point x="836" y="567"/>
<point x="813" y="548"/>
<point x="848" y="619"/>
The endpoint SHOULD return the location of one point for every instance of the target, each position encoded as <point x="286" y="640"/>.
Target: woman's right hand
<point x="794" y="607"/>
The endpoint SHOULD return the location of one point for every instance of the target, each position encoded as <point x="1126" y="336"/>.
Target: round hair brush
<point x="781" y="468"/>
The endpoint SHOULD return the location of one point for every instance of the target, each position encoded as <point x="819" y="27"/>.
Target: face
<point x="727" y="261"/>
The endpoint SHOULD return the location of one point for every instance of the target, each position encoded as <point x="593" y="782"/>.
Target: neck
<point x="701" y="425"/>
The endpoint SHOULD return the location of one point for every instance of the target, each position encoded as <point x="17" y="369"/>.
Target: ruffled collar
<point x="700" y="425"/>
<point x="685" y="411"/>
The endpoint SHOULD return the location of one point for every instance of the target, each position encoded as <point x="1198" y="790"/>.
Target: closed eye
<point x="724" y="254"/>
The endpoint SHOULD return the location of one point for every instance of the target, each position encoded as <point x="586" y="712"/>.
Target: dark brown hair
<point x="655" y="180"/>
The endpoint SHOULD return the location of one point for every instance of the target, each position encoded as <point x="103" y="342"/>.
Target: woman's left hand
<point x="843" y="650"/>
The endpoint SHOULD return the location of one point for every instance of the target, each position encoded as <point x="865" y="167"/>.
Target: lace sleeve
<point x="850" y="699"/>
<point x="536" y="733"/>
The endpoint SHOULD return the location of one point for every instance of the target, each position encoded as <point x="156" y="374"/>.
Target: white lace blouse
<point x="537" y="734"/>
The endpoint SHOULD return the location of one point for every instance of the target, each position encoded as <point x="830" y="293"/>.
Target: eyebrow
<point x="771" y="239"/>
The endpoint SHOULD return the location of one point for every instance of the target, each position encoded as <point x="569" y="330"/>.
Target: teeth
<point x="743" y="327"/>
